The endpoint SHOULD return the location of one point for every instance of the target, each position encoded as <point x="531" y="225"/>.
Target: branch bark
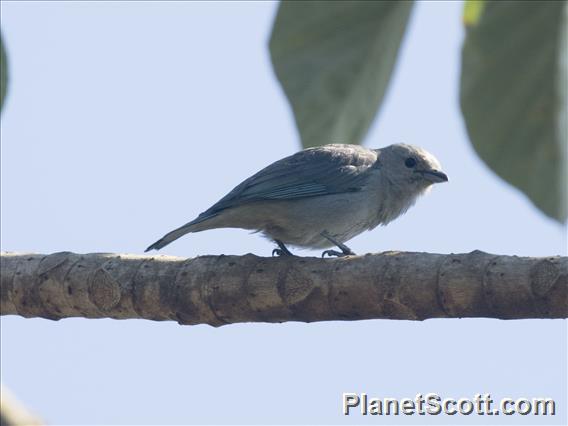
<point x="219" y="290"/>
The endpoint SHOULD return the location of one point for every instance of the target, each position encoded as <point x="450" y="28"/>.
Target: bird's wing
<point x="330" y="169"/>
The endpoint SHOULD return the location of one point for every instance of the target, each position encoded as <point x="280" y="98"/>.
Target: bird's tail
<point x="193" y="226"/>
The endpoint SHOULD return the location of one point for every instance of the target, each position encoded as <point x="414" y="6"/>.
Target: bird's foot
<point x="282" y="250"/>
<point x="336" y="253"/>
<point x="279" y="252"/>
<point x="345" y="251"/>
<point x="332" y="253"/>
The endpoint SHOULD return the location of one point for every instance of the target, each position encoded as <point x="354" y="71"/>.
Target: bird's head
<point x="409" y="167"/>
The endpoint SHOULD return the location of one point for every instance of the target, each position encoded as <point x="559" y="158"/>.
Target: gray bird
<point x="322" y="197"/>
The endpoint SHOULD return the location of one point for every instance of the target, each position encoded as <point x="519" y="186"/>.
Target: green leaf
<point x="472" y="10"/>
<point x="334" y="61"/>
<point x="513" y="97"/>
<point x="3" y="73"/>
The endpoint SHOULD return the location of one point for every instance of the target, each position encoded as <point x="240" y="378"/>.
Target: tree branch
<point x="220" y="290"/>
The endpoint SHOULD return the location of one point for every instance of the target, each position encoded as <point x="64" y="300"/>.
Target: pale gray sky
<point x="125" y="120"/>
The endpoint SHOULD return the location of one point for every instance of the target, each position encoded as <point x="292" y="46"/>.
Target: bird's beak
<point x="434" y="176"/>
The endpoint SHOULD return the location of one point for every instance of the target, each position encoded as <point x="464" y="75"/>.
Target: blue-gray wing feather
<point x="330" y="169"/>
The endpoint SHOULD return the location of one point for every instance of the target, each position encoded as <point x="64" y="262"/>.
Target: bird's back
<point x="319" y="171"/>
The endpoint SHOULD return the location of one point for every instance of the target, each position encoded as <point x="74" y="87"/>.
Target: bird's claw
<point x="336" y="253"/>
<point x="282" y="250"/>
<point x="279" y="252"/>
<point x="332" y="253"/>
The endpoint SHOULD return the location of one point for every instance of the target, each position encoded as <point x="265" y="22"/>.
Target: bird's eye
<point x="410" y="162"/>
